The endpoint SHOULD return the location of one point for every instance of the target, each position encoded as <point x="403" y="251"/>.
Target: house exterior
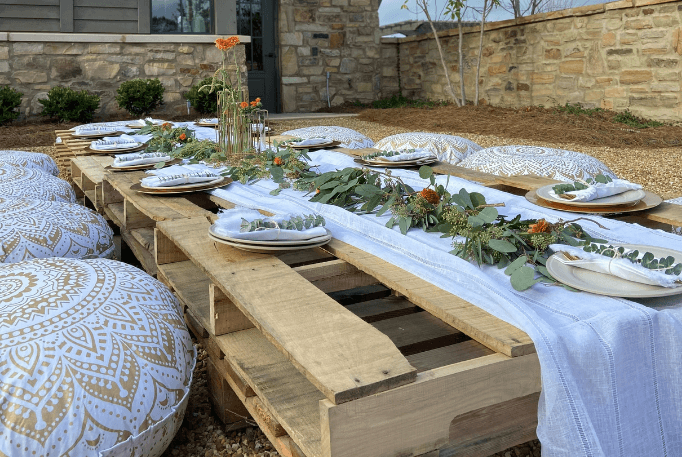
<point x="291" y="51"/>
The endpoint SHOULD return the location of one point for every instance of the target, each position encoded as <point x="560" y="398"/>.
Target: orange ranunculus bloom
<point x="278" y="161"/>
<point x="430" y="196"/>
<point x="541" y="227"/>
<point x="183" y="137"/>
<point x="226" y="43"/>
<point x="244" y="105"/>
<point x="254" y="104"/>
<point x="317" y="191"/>
<point x="257" y="100"/>
<point x="166" y="126"/>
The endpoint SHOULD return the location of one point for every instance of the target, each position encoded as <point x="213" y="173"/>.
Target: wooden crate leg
<point x="134" y="218"/>
<point x="165" y="251"/>
<point x="109" y="194"/>
<point x="225" y="316"/>
<point x="229" y="409"/>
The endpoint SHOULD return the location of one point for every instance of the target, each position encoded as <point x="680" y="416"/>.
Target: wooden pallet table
<point x="335" y="352"/>
<point x="87" y="174"/>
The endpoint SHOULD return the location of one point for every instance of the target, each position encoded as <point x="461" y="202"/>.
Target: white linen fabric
<point x="143" y="122"/>
<point x="599" y="190"/>
<point x="448" y="148"/>
<point x="229" y="222"/>
<point x="37" y="160"/>
<point x="209" y="120"/>
<point x="134" y="158"/>
<point x="619" y="267"/>
<point x="31" y="183"/>
<point x="417" y="154"/>
<point x="96" y="360"/>
<point x="121" y="142"/>
<point x="311" y="142"/>
<point x="181" y="174"/>
<point x="348" y="138"/>
<point x="32" y="229"/>
<point x="610" y="366"/>
<point x="552" y="163"/>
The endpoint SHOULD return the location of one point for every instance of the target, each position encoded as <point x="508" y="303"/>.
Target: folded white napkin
<point x="110" y="144"/>
<point x="311" y="142"/>
<point x="143" y="122"/>
<point x="619" y="267"/>
<point x="129" y="160"/>
<point x="213" y="120"/>
<point x="95" y="130"/>
<point x="229" y="222"/>
<point x="598" y="190"/>
<point x="177" y="175"/>
<point x="417" y="154"/>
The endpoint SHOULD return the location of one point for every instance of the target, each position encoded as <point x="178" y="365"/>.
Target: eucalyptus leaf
<point x="523" y="278"/>
<point x="515" y="265"/>
<point x="502" y="246"/>
<point x="425" y="172"/>
<point x="488" y="214"/>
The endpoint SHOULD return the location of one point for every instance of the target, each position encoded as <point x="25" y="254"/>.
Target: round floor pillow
<point x="37" y="160"/>
<point x="348" y="138"/>
<point x="95" y="360"/>
<point x="449" y="148"/>
<point x="31" y="229"/>
<point x="31" y="183"/>
<point x="535" y="160"/>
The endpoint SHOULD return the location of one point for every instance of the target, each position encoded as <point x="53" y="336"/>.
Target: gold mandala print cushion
<point x="448" y="148"/>
<point x="95" y="360"/>
<point x="31" y="183"/>
<point x="32" y="229"/>
<point x="25" y="159"/>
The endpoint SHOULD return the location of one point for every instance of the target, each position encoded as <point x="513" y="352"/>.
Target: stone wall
<point x="341" y="37"/>
<point x="620" y="55"/>
<point x="34" y="67"/>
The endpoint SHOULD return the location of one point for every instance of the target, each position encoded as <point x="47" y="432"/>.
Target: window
<point x="182" y="16"/>
<point x="250" y="23"/>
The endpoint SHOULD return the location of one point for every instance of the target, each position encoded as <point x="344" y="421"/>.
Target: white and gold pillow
<point x="95" y="360"/>
<point x="37" y="160"/>
<point x="348" y="138"/>
<point x="31" y="183"/>
<point x="31" y="229"/>
<point x="552" y="163"/>
<point x="448" y="148"/>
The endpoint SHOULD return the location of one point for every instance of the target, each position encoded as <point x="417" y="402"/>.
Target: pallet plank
<point x="342" y="355"/>
<point x="335" y="275"/>
<point x="225" y="317"/>
<point x="448" y="355"/>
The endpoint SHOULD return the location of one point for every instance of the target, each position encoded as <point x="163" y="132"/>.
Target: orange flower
<point x="257" y="100"/>
<point x="541" y="227"/>
<point x="183" y="137"/>
<point x="244" y="105"/>
<point x="430" y="196"/>
<point x="225" y="44"/>
<point x="166" y="126"/>
<point x="254" y="104"/>
<point x="278" y="161"/>
<point x="317" y="191"/>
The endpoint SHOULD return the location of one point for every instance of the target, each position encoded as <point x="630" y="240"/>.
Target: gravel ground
<point x="203" y="435"/>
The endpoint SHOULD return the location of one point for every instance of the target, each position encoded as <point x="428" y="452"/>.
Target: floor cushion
<point x="95" y="360"/>
<point x="449" y="148"/>
<point x="32" y="229"/>
<point x="348" y="138"/>
<point x="535" y="160"/>
<point x="37" y="160"/>
<point x="31" y="183"/>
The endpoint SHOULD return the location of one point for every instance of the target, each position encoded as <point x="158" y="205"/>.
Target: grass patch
<point x="399" y="101"/>
<point x="629" y="119"/>
<point x="576" y="109"/>
<point x="625" y="117"/>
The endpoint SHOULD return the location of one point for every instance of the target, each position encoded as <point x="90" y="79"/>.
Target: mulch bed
<point x="531" y="123"/>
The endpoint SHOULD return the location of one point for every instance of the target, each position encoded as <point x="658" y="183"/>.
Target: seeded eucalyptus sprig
<point x="561" y="189"/>
<point x="385" y="154"/>
<point x="648" y="260"/>
<point x="304" y="222"/>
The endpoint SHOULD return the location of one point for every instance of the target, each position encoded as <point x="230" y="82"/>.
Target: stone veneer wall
<point x="620" y="55"/>
<point x="35" y="67"/>
<point x="341" y="37"/>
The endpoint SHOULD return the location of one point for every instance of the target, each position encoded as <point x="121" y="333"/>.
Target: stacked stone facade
<point x="620" y="55"/>
<point x="99" y="67"/>
<point x="341" y="37"/>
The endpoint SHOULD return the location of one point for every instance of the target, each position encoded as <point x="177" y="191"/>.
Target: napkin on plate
<point x="619" y="267"/>
<point x="178" y="175"/>
<point x="417" y="154"/>
<point x="121" y="142"/>
<point x="598" y="190"/>
<point x="213" y="120"/>
<point x="95" y="130"/>
<point x="143" y="122"/>
<point x="311" y="142"/>
<point x="229" y="224"/>
<point x="132" y="159"/>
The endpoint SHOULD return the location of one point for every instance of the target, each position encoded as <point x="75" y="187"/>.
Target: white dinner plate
<point x="315" y="240"/>
<point x="268" y="249"/>
<point x="185" y="186"/>
<point x="630" y="197"/>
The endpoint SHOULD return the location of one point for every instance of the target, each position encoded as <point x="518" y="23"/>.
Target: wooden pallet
<point x="335" y="352"/>
<point x="87" y="174"/>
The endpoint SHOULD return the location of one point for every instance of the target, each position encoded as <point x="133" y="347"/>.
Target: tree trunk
<point x="480" y="50"/>
<point x="461" y="64"/>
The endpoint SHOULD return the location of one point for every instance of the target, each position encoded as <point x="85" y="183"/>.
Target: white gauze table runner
<point x="611" y="370"/>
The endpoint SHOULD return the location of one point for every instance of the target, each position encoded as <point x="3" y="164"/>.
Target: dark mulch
<point x="531" y="123"/>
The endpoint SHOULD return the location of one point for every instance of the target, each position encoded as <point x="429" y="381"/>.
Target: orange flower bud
<point x="317" y="191"/>
<point x="244" y="105"/>
<point x="278" y="161"/>
<point x="541" y="227"/>
<point x="430" y="196"/>
<point x="183" y="137"/>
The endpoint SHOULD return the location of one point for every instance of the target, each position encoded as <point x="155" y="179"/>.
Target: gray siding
<point x="105" y="16"/>
<point x="29" y="15"/>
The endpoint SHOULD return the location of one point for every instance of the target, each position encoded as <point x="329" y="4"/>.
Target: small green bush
<point x="203" y="100"/>
<point x="140" y="96"/>
<point x="629" y="119"/>
<point x="69" y="105"/>
<point x="10" y="100"/>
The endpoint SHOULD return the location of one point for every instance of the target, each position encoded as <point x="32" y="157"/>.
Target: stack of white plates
<point x="270" y="247"/>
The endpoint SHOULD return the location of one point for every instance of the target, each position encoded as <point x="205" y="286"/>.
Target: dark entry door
<point x="257" y="18"/>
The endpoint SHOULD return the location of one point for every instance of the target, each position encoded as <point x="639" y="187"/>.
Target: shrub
<point x="203" y="100"/>
<point x="69" y="105"/>
<point x="140" y="96"/>
<point x="10" y="100"/>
